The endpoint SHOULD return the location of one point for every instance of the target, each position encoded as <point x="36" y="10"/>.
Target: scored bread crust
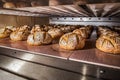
<point x="20" y="34"/>
<point x="9" y="5"/>
<point x="81" y="32"/>
<point x="39" y="38"/>
<point x="5" y="32"/>
<point x="55" y="33"/>
<point x="109" y="44"/>
<point x="71" y="41"/>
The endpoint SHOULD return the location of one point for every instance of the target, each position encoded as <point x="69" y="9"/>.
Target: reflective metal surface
<point x="51" y="62"/>
<point x="40" y="50"/>
<point x="19" y="59"/>
<point x="4" y="75"/>
<point x="96" y="21"/>
<point x="91" y="54"/>
<point x="39" y="72"/>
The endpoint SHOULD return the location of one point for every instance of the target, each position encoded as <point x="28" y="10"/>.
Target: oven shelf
<point x="40" y="50"/>
<point x="86" y="10"/>
<point x="19" y="12"/>
<point x="89" y="54"/>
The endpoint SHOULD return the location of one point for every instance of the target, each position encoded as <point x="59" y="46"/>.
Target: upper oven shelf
<point x="19" y="12"/>
<point x="86" y="10"/>
<point x="42" y="11"/>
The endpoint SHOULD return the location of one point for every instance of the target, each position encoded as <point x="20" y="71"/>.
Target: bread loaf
<point x="9" y="5"/>
<point x="36" y="28"/>
<point x="71" y="41"/>
<point x="21" y="33"/>
<point x="66" y="28"/>
<point x="56" y="34"/>
<point x="109" y="33"/>
<point x="109" y="44"/>
<point x="102" y="30"/>
<point x="5" y="32"/>
<point x="82" y="32"/>
<point x="39" y="38"/>
<point x="85" y="32"/>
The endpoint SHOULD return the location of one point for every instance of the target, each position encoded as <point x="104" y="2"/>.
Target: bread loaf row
<point x="45" y="33"/>
<point x="69" y="37"/>
<point x="108" y="40"/>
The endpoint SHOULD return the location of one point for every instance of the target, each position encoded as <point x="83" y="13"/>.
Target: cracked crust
<point x="71" y="41"/>
<point x="39" y="38"/>
<point x="110" y="44"/>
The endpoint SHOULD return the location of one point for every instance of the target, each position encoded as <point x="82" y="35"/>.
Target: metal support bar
<point x="97" y="21"/>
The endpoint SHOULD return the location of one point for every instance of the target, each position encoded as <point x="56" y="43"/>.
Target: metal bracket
<point x="86" y="21"/>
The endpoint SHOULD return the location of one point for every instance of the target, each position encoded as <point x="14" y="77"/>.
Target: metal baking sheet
<point x="38" y="72"/>
<point x="41" y="50"/>
<point x="91" y="55"/>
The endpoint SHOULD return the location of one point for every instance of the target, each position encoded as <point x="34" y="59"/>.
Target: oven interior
<point x="19" y="61"/>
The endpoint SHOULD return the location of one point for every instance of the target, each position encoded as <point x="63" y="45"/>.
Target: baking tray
<point x="45" y="50"/>
<point x="89" y="54"/>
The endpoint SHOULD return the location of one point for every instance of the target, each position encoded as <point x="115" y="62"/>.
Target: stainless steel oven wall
<point x="38" y="67"/>
<point x="24" y="63"/>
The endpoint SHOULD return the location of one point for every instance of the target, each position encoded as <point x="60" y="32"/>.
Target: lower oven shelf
<point x="26" y="60"/>
<point x="34" y="71"/>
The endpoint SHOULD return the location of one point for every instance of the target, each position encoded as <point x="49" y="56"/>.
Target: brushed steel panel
<point x="78" y="67"/>
<point x="69" y="65"/>
<point x="39" y="72"/>
<point x="52" y="62"/>
<point x="9" y="76"/>
<point x="95" y="21"/>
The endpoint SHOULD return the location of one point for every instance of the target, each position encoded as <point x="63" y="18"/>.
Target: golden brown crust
<point x="55" y="33"/>
<point x="82" y="32"/>
<point x="85" y="32"/>
<point x="67" y="28"/>
<point x="109" y="33"/>
<point x="36" y="28"/>
<point x="46" y="28"/>
<point x="110" y="44"/>
<point x="102" y="30"/>
<point x="9" y="5"/>
<point x="39" y="38"/>
<point x="5" y="32"/>
<point x="71" y="41"/>
<point x="21" y="33"/>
